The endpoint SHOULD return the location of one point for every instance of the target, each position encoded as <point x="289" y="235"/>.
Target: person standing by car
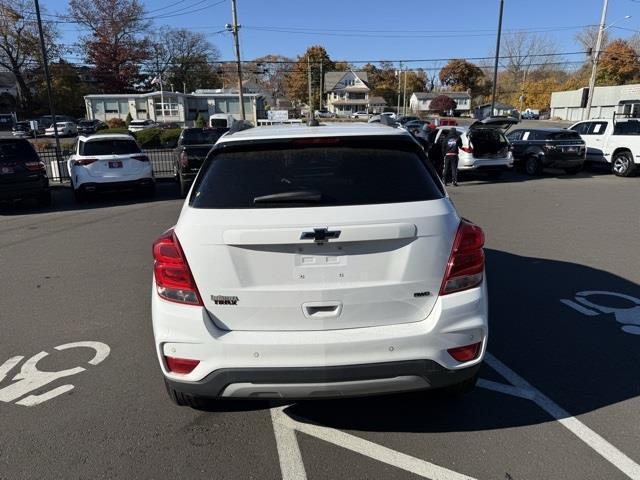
<point x="451" y="146"/>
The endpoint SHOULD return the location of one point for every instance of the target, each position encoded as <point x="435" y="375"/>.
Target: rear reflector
<point x="173" y="277"/>
<point x="466" y="353"/>
<point x="181" y="365"/>
<point x="465" y="268"/>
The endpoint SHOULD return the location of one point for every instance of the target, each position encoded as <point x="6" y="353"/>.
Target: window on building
<point x="168" y="109"/>
<point x="141" y="106"/>
<point x="111" y="106"/>
<point x="124" y="107"/>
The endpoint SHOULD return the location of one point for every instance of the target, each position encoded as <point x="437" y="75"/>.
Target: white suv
<point x="106" y="162"/>
<point x="485" y="147"/>
<point x="319" y="261"/>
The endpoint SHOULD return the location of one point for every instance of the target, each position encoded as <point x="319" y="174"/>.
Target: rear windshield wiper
<point x="302" y="196"/>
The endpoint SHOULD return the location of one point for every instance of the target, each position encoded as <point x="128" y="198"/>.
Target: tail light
<point x="85" y="161"/>
<point x="466" y="353"/>
<point x="467" y="149"/>
<point x="465" y="268"/>
<point x="34" y="166"/>
<point x="140" y="158"/>
<point x="174" y="280"/>
<point x="184" y="159"/>
<point x="181" y="365"/>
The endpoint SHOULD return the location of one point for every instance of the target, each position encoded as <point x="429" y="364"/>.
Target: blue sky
<point x="379" y="29"/>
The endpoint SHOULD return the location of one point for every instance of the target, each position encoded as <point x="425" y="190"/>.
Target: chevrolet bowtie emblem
<point x="320" y="235"/>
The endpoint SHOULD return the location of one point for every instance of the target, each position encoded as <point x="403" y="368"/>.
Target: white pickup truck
<point x="612" y="141"/>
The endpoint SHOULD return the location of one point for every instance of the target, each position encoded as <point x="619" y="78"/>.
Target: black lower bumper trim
<point x="214" y="384"/>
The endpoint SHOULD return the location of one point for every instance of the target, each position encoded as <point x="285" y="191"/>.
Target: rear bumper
<point x="563" y="162"/>
<point x="324" y="382"/>
<point x="295" y="364"/>
<point x="121" y="185"/>
<point x="33" y="188"/>
<point x="469" y="163"/>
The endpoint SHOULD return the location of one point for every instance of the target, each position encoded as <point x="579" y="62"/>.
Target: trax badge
<point x="224" y="300"/>
<point x="320" y="235"/>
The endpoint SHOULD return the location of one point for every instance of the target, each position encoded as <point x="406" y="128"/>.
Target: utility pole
<point x="399" y="88"/>
<point x="234" y="29"/>
<point x="404" y="94"/>
<point x="311" y="112"/>
<point x="596" y="55"/>
<point x="495" y="66"/>
<point x="45" y="65"/>
<point x="321" y="83"/>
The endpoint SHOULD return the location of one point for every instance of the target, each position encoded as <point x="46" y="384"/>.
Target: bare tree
<point x="19" y="48"/>
<point x="588" y="37"/>
<point x="523" y="52"/>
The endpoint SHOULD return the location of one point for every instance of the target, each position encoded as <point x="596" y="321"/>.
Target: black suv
<point x="22" y="174"/>
<point x="193" y="146"/>
<point x="88" y="127"/>
<point x="537" y="148"/>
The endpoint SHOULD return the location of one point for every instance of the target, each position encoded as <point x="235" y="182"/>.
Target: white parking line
<point x="618" y="459"/>
<point x="291" y="464"/>
<point x="355" y="444"/>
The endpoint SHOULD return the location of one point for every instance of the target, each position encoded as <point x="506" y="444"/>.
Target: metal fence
<point x="56" y="162"/>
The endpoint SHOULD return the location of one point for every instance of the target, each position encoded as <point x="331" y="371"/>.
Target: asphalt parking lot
<point x="559" y="395"/>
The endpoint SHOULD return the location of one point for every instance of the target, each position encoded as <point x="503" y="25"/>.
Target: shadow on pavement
<point x="590" y="171"/>
<point x="583" y="363"/>
<point x="63" y="201"/>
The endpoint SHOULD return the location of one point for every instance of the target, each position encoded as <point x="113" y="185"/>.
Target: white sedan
<point x="107" y="162"/>
<point x="137" y="125"/>
<point x="65" y="129"/>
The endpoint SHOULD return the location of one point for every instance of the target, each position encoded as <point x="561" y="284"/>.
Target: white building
<point x="346" y="92"/>
<point x="421" y="101"/>
<point x="570" y="105"/>
<point x="177" y="107"/>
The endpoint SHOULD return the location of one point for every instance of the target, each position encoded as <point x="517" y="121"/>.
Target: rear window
<point x="568" y="135"/>
<point x="17" y="150"/>
<point x="316" y="176"/>
<point x="200" y="137"/>
<point x="627" y="128"/>
<point x="109" y="147"/>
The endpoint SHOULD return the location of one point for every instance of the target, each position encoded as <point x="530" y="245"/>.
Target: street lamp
<point x="596" y="56"/>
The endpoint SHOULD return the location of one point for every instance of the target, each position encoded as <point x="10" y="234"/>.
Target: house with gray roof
<point x="346" y="92"/>
<point x="421" y="101"/>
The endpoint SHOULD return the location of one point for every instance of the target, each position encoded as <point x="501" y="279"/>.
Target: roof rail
<point x="239" y="125"/>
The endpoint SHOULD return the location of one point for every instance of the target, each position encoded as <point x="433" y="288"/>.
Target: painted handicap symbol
<point x="30" y="378"/>
<point x="629" y="317"/>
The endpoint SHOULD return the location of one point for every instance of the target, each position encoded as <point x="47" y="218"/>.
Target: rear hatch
<point x="19" y="162"/>
<point x="294" y="236"/>
<point x="487" y="139"/>
<point x="563" y="145"/>
<point x="113" y="158"/>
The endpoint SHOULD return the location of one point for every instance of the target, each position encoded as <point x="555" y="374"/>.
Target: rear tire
<point x="79" y="195"/>
<point x="183" y="399"/>
<point x="183" y="186"/>
<point x="622" y="164"/>
<point x="532" y="166"/>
